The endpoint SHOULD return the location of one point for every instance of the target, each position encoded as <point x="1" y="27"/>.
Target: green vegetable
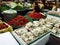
<point x="30" y="19"/>
<point x="20" y="5"/>
<point x="18" y="8"/>
<point x="4" y="7"/>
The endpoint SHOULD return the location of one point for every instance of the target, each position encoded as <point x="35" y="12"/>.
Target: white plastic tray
<point x="40" y="40"/>
<point x="50" y="16"/>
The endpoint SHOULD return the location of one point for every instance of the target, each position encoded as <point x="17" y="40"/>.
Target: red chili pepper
<point x="18" y="21"/>
<point x="36" y="15"/>
<point x="3" y="25"/>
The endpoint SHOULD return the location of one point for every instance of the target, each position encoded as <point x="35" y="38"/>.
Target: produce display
<point x="18" y="21"/>
<point x="10" y="11"/>
<point x="54" y="13"/>
<point x="29" y="35"/>
<point x="9" y="14"/>
<point x="56" y="28"/>
<point x="28" y="5"/>
<point x="15" y="6"/>
<point x="18" y="8"/>
<point x="53" y="24"/>
<point x="29" y="30"/>
<point x="12" y="4"/>
<point x="4" y="7"/>
<point x="4" y="27"/>
<point x="36" y="15"/>
<point x="34" y="29"/>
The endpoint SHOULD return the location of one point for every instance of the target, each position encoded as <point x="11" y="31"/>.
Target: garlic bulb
<point x="28" y="36"/>
<point x="59" y="31"/>
<point x="28" y="25"/>
<point x="54" y="30"/>
<point x="57" y="25"/>
<point x="36" y="23"/>
<point x="41" y="22"/>
<point x="21" y="31"/>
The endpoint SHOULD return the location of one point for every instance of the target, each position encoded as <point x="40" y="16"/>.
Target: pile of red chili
<point x="36" y="15"/>
<point x="18" y="21"/>
<point x="3" y="25"/>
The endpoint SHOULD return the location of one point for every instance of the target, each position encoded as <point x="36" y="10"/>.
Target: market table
<point x="7" y="39"/>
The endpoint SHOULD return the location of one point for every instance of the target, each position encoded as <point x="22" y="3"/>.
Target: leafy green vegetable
<point x="18" y="8"/>
<point x="4" y="7"/>
<point x="30" y="19"/>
